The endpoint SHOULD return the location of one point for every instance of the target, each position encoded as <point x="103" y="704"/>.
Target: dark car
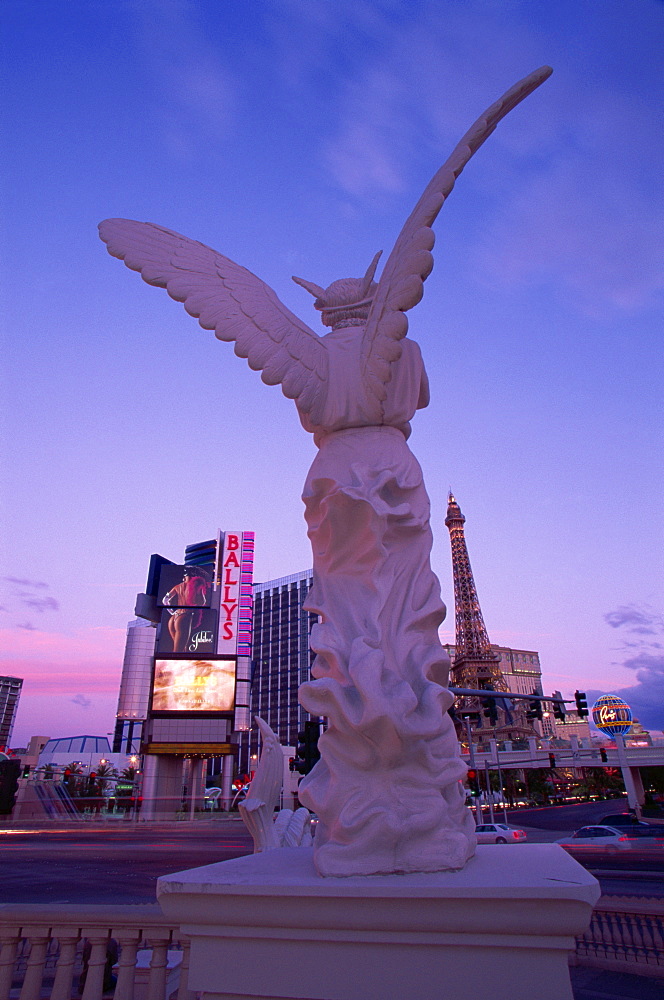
<point x="623" y="819"/>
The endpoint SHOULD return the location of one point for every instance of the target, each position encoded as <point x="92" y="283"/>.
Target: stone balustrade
<point x="626" y="933"/>
<point x="65" y="951"/>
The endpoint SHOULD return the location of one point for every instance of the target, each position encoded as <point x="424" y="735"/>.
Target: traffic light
<point x="552" y="760"/>
<point x="581" y="703"/>
<point x="473" y="782"/>
<point x="307" y="753"/>
<point x="603" y="754"/>
<point x="559" y="709"/>
<point x="9" y="774"/>
<point x="534" y="710"/>
<point x="489" y="710"/>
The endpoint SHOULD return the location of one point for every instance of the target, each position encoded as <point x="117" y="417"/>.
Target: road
<point x="565" y="819"/>
<point x="98" y="864"/>
<point x="120" y="863"/>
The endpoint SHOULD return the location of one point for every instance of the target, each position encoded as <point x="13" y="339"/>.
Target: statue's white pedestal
<point x="267" y="926"/>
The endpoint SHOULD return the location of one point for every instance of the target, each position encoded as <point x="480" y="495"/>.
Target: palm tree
<point x="72" y="777"/>
<point x="104" y="772"/>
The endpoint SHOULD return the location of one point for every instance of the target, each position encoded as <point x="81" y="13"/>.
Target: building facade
<point x="522" y="673"/>
<point x="10" y="692"/>
<point x="135" y="686"/>
<point x="520" y="668"/>
<point x="281" y="661"/>
<point x="186" y="672"/>
<point x="573" y="725"/>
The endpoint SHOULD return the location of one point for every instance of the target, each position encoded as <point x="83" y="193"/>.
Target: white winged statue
<point x="289" y="828"/>
<point x="387" y="789"/>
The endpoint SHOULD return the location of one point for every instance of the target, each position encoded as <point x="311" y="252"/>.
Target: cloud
<point x="195" y="90"/>
<point x="22" y="582"/>
<point x="587" y="222"/>
<point x="636" y="620"/>
<point x="415" y="94"/>
<point x="24" y="593"/>
<point x="640" y="619"/>
<point x="646" y="697"/>
<point x="39" y="604"/>
<point x="569" y="191"/>
<point x="53" y="714"/>
<point x="81" y="700"/>
<point x="88" y="660"/>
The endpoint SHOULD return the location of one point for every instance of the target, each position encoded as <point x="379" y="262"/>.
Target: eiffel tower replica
<point x="476" y="664"/>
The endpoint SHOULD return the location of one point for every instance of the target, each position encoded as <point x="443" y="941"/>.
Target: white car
<point x="610" y="837"/>
<point x="499" y="833"/>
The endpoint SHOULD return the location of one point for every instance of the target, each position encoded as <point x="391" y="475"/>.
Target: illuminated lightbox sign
<point x="612" y="715"/>
<point x="205" y="685"/>
<point x="236" y="567"/>
<point x="188" y="630"/>
<point x="184" y="587"/>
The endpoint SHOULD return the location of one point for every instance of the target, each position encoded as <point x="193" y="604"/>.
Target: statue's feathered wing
<point x="228" y="299"/>
<point x="410" y="263"/>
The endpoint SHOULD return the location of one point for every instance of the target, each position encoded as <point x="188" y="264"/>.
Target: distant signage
<point x="196" y="685"/>
<point x="184" y="587"/>
<point x="235" y="597"/>
<point x="612" y="715"/>
<point x="188" y="630"/>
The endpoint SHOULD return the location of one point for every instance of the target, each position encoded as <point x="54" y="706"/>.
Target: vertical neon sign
<point x="235" y="593"/>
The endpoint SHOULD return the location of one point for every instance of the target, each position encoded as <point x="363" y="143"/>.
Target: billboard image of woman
<point x="186" y="598"/>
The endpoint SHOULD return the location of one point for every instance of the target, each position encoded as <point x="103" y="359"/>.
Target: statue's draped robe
<point x="386" y="790"/>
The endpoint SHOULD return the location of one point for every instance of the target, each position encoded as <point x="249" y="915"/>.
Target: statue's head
<point x="345" y="302"/>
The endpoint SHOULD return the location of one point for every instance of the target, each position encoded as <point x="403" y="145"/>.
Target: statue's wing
<point x="261" y="800"/>
<point x="410" y="263"/>
<point x="228" y="299"/>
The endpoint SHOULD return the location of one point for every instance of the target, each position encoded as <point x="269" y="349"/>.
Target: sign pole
<point x="488" y="790"/>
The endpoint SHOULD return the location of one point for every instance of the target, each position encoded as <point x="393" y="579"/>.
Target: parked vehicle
<point x="499" y="833"/>
<point x="612" y="838"/>
<point x="624" y="819"/>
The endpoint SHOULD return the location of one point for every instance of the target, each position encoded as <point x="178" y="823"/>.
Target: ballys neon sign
<point x="229" y="592"/>
<point x="230" y="585"/>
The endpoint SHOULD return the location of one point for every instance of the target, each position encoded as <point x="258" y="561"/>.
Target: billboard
<point x="612" y="715"/>
<point x="188" y="630"/>
<point x="235" y="571"/>
<point x="205" y="685"/>
<point x="184" y="586"/>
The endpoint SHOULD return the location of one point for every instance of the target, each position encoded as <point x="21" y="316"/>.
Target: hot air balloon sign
<point x="612" y="715"/>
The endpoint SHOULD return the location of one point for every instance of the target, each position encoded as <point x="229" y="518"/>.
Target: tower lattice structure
<point x="476" y="664"/>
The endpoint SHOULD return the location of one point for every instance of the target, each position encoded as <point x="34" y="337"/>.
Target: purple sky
<point x="295" y="138"/>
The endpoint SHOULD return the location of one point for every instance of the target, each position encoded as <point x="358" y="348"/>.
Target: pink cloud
<point x="55" y="663"/>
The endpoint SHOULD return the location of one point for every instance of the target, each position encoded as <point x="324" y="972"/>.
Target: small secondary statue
<point x="387" y="789"/>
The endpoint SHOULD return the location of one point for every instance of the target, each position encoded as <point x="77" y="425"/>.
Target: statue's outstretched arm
<point x="410" y="263"/>
<point x="230" y="300"/>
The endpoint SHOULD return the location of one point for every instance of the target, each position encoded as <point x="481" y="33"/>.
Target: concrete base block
<point x="268" y="927"/>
